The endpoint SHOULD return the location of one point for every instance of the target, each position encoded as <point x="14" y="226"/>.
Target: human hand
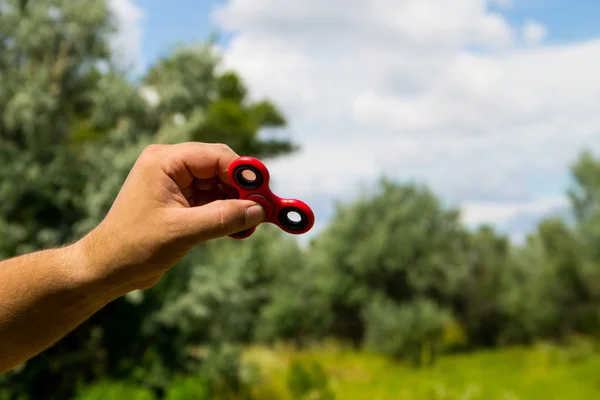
<point x="175" y="197"/>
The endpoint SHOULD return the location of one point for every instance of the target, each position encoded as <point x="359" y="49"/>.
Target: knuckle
<point x="224" y="147"/>
<point x="152" y="151"/>
<point x="154" y="148"/>
<point x="152" y="154"/>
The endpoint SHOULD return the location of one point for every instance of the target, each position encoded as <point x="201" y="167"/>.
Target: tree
<point x="214" y="107"/>
<point x="409" y="329"/>
<point x="49" y="51"/>
<point x="71" y="127"/>
<point x="585" y="201"/>
<point x="225" y="293"/>
<point x="579" y="247"/>
<point x="399" y="244"/>
<point x="550" y="271"/>
<point x="574" y="277"/>
<point x="299" y="309"/>
<point x="530" y="302"/>
<point x="585" y="190"/>
<point x="482" y="288"/>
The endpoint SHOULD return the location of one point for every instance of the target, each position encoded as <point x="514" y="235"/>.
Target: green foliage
<point x="395" y="271"/>
<point x="222" y="364"/>
<point x="298" y="311"/>
<point x="409" y="329"/>
<point x="298" y="308"/>
<point x="585" y="191"/>
<point x="585" y="200"/>
<point x="574" y="280"/>
<point x="190" y="387"/>
<point x="47" y="70"/>
<point x="552" y="271"/>
<point x="71" y="126"/>
<point x="225" y="293"/>
<point x="308" y="381"/>
<point x="543" y="372"/>
<point x="479" y="302"/>
<point x="214" y="107"/>
<point x="399" y="243"/>
<point x="115" y="390"/>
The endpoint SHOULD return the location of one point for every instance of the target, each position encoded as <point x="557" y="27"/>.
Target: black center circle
<point x="248" y="184"/>
<point x="288" y="217"/>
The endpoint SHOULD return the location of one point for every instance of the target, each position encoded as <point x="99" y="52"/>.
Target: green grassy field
<point x="543" y="372"/>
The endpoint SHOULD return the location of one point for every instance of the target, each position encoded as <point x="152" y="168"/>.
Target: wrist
<point x="97" y="265"/>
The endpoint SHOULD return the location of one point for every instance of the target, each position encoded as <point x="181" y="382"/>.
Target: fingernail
<point x="256" y="214"/>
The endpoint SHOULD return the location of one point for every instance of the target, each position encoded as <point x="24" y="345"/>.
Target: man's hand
<point x="175" y="197"/>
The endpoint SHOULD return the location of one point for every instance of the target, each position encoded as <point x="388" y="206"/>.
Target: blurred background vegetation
<point x="395" y="299"/>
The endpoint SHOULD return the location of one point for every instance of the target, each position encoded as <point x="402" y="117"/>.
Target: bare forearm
<point x="43" y="296"/>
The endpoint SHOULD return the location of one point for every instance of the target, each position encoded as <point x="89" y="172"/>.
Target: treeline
<point x="395" y="271"/>
<point x="398" y="273"/>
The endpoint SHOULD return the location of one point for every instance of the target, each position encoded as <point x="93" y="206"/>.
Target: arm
<point x="43" y="296"/>
<point x="174" y="198"/>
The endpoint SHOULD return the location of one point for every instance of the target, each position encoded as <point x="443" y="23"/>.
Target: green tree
<point x="558" y="269"/>
<point x="299" y="310"/>
<point x="551" y="272"/>
<point x="574" y="277"/>
<point x="399" y="244"/>
<point x="308" y="381"/>
<point x="409" y="329"/>
<point x="585" y="190"/>
<point x="48" y="56"/>
<point x="115" y="390"/>
<point x="585" y="204"/>
<point x="71" y="127"/>
<point x="225" y="294"/>
<point x="479" y="301"/>
<point x="212" y="106"/>
<point x="529" y="303"/>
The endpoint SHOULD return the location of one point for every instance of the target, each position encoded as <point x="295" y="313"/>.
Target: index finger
<point x="185" y="161"/>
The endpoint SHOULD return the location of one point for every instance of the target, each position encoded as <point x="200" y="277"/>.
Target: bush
<point x="190" y="387"/>
<point x="407" y="329"/>
<point x="308" y="382"/>
<point x="115" y="390"/>
<point x="230" y="376"/>
<point x="454" y="337"/>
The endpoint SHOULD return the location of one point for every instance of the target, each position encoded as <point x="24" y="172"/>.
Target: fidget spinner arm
<point x="251" y="178"/>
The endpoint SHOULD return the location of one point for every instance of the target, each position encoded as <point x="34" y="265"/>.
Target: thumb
<point x="219" y="218"/>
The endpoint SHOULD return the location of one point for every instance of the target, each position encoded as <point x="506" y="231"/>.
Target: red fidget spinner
<point x="251" y="178"/>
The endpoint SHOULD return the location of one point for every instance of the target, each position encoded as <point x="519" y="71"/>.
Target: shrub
<point x="308" y="381"/>
<point x="186" y="387"/>
<point x="115" y="390"/>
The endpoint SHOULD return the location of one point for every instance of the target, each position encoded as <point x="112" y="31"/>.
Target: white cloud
<point x="534" y="32"/>
<point x="395" y="87"/>
<point x="488" y="212"/>
<point x="127" y="43"/>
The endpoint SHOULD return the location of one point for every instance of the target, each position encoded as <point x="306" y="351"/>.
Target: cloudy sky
<point x="487" y="102"/>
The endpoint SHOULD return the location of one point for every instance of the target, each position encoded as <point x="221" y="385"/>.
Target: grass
<point x="543" y="372"/>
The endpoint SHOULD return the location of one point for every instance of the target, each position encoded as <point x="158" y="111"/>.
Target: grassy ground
<point x="543" y="372"/>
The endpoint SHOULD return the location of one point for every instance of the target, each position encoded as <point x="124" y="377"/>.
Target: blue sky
<point x="568" y="20"/>
<point x="167" y="23"/>
<point x="409" y="93"/>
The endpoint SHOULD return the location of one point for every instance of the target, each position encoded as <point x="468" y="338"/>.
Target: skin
<point x="175" y="197"/>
